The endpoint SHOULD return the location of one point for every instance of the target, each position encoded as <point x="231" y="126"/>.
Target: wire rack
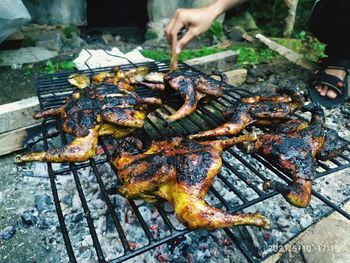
<point x="52" y="91"/>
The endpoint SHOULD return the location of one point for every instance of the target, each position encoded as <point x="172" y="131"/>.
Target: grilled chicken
<point x="181" y="172"/>
<point x="257" y="110"/>
<point x="94" y="111"/>
<point x="174" y="62"/>
<point x="295" y="145"/>
<point x="124" y="79"/>
<point x="192" y="86"/>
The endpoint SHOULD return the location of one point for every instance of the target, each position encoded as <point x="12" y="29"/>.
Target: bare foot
<point x="324" y="90"/>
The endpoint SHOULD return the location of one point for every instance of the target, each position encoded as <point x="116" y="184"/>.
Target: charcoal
<point x="7" y="233"/>
<point x="42" y="202"/>
<point x="28" y="218"/>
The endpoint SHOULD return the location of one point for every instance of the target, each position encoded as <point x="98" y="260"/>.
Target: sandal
<point x="340" y="86"/>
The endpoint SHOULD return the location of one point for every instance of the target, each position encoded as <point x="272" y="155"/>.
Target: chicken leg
<point x="81" y="149"/>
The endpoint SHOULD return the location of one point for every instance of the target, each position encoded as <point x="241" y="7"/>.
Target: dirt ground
<point x="19" y="83"/>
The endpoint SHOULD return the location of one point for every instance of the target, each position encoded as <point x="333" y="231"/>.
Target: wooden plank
<point x="18" y="114"/>
<point x="14" y="140"/>
<point x="222" y="61"/>
<point x="289" y="54"/>
<point x="235" y="77"/>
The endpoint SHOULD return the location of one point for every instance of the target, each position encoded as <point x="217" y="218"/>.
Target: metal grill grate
<point x="52" y="91"/>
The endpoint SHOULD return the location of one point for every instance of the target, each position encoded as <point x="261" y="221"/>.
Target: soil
<point x="19" y="83"/>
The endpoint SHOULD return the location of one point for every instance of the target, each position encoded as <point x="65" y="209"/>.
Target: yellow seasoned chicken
<point x="181" y="172"/>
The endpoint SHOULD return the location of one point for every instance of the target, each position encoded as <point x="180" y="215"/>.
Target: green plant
<point x="248" y="54"/>
<point x="254" y="55"/>
<point x="304" y="44"/>
<point x="156" y="55"/>
<point x="53" y="67"/>
<point x="301" y="35"/>
<point x="185" y="54"/>
<point x="217" y="30"/>
<point x="69" y="30"/>
<point x="150" y="35"/>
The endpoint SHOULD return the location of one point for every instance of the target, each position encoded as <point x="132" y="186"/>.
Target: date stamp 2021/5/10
<point x="328" y="247"/>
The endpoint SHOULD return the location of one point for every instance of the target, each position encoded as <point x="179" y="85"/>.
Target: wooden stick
<point x="291" y="55"/>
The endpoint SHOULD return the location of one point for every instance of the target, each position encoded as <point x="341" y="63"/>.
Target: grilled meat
<point x="192" y="86"/>
<point x="181" y="172"/>
<point x="174" y="62"/>
<point x="94" y="111"/>
<point x="153" y="80"/>
<point x="295" y="145"/>
<point x="124" y="79"/>
<point x="257" y="110"/>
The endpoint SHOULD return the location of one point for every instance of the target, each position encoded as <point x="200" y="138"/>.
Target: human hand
<point x="195" y="20"/>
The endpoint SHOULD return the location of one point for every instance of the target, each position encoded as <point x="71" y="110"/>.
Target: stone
<point x="160" y="9"/>
<point x="63" y="12"/>
<point x="7" y="232"/>
<point x="107" y="38"/>
<point x="236" y="78"/>
<point x="67" y="199"/>
<point x="245" y="21"/>
<point x="236" y="33"/>
<point x="42" y="202"/>
<point x="46" y="223"/>
<point x="155" y="29"/>
<point x="295" y="214"/>
<point x="51" y="41"/>
<point x="28" y="218"/>
<point x="87" y="255"/>
<point x="76" y="203"/>
<point x="25" y="55"/>
<point x="305" y="221"/>
<point x="282" y="222"/>
<point x="87" y="241"/>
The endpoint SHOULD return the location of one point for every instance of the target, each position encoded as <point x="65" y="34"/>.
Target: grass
<point x="252" y="54"/>
<point x="304" y="44"/>
<point x="248" y="54"/>
<point x="217" y="30"/>
<point x="53" y="67"/>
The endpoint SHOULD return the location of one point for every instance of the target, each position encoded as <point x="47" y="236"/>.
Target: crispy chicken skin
<point x="94" y="111"/>
<point x="192" y="87"/>
<point x="257" y="110"/>
<point x="181" y="172"/>
<point x="295" y="145"/>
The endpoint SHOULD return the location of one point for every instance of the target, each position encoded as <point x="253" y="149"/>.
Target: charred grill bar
<point x="52" y="91"/>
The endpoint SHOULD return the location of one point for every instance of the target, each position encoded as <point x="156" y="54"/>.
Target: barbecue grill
<point x="52" y="91"/>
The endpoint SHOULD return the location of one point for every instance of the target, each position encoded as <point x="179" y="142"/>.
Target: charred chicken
<point x="296" y="145"/>
<point x="191" y="85"/>
<point x="257" y="110"/>
<point x="94" y="111"/>
<point x="181" y="172"/>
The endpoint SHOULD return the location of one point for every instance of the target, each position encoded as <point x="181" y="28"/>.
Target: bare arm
<point x="196" y="21"/>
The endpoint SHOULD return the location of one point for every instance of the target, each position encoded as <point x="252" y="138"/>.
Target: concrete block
<point x="51" y="41"/>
